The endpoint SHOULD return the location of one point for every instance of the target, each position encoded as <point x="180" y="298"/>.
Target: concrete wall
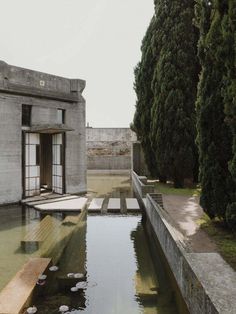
<point x="207" y="283"/>
<point x="109" y="148"/>
<point x="140" y="185"/>
<point x="76" y="161"/>
<point x="45" y="100"/>
<point x="10" y="151"/>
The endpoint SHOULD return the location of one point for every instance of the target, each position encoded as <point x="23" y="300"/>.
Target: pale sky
<point x="95" y="40"/>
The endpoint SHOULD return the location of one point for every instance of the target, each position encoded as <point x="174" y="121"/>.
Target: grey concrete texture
<point x="20" y="86"/>
<point x="35" y="79"/>
<point x="140" y="185"/>
<point x="206" y="281"/>
<point x="109" y="162"/>
<point x="10" y="151"/>
<point x="110" y="134"/>
<point x="109" y="148"/>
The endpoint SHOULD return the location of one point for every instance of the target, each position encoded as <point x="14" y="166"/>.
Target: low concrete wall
<point x="140" y="185"/>
<point x="109" y="162"/>
<point x="206" y="281"/>
<point x="109" y="148"/>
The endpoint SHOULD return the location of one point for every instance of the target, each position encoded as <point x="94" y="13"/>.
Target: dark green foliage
<point x="174" y="86"/>
<point x="214" y="135"/>
<point x="143" y="78"/>
<point x="229" y="94"/>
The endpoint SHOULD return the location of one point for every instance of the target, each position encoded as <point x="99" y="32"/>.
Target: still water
<point x="113" y="251"/>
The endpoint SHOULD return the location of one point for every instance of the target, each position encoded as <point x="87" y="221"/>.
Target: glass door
<point x="57" y="163"/>
<point x="32" y="164"/>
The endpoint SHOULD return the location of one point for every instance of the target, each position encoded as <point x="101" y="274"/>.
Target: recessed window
<point x="26" y="115"/>
<point x="61" y="116"/>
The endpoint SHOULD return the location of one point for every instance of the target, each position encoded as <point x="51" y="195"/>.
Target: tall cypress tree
<point x="174" y="87"/>
<point x="214" y="136"/>
<point x="143" y="78"/>
<point x="229" y="93"/>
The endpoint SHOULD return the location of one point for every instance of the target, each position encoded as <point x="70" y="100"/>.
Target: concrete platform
<point x="132" y="204"/>
<point x="18" y="292"/>
<point x="43" y="196"/>
<point x="113" y="205"/>
<point x="53" y="200"/>
<point x="96" y="205"/>
<point x="77" y="205"/>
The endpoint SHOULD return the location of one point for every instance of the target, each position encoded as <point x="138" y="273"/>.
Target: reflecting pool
<point x="114" y="253"/>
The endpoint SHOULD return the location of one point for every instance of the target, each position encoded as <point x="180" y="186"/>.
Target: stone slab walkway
<point x="76" y="204"/>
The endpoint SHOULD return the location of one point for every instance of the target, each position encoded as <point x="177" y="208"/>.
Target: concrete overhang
<point x="50" y="129"/>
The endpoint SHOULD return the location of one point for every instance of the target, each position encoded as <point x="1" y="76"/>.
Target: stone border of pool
<point x="206" y="282"/>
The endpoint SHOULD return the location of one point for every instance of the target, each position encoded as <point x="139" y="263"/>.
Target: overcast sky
<point x="95" y="40"/>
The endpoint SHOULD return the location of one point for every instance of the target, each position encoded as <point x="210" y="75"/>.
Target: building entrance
<point x="43" y="163"/>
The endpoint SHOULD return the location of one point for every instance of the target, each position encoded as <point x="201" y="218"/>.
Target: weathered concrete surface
<point x="17" y="294"/>
<point x="207" y="283"/>
<point x="76" y="204"/>
<point x="45" y="93"/>
<point x="141" y="186"/>
<point x="109" y="148"/>
<point x="217" y="278"/>
<point x="113" y="204"/>
<point x="96" y="204"/>
<point x="109" y="162"/>
<point x="132" y="203"/>
<point x="186" y="212"/>
<point x="10" y="150"/>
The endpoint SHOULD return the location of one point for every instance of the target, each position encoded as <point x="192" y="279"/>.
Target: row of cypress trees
<point x="186" y="99"/>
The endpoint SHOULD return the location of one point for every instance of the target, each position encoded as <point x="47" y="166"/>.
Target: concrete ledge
<point x="17" y="294"/>
<point x="140" y="185"/>
<point x="206" y="281"/>
<point x="111" y="172"/>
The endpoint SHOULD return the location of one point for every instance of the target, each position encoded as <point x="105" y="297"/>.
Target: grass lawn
<point x="168" y="189"/>
<point x="224" y="239"/>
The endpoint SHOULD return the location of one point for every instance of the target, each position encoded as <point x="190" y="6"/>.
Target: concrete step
<point x="76" y="204"/>
<point x="114" y="205"/>
<point x="96" y="205"/>
<point x="132" y="205"/>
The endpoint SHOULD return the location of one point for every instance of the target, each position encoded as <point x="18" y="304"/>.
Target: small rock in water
<point x="78" y="275"/>
<point x="81" y="285"/>
<point x="42" y="277"/>
<point x="54" y="268"/>
<point x="70" y="275"/>
<point x="74" y="289"/>
<point x="63" y="308"/>
<point x="31" y="310"/>
<point x="41" y="282"/>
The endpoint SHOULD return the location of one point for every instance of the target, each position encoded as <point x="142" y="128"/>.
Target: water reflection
<point x="112" y="252"/>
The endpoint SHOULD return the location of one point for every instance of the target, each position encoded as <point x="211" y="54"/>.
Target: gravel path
<point x="186" y="211"/>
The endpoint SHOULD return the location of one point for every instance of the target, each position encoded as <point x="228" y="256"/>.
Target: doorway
<point x="44" y="163"/>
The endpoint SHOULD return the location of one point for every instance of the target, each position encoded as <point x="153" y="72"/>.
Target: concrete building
<point x="42" y="134"/>
<point x="109" y="148"/>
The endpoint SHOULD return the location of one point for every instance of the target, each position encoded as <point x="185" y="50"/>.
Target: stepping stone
<point x="96" y="205"/>
<point x="77" y="204"/>
<point x="113" y="205"/>
<point x="132" y="204"/>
